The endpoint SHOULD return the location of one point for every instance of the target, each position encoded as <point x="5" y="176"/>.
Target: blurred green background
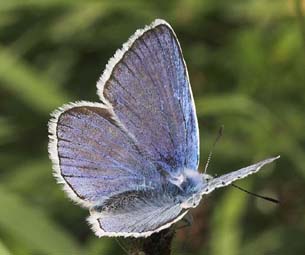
<point x="246" y="61"/>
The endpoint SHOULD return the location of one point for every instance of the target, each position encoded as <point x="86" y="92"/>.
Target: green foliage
<point x="246" y="63"/>
<point x="17" y="217"/>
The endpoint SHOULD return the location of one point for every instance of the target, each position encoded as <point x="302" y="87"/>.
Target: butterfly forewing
<point x="149" y="92"/>
<point x="95" y="157"/>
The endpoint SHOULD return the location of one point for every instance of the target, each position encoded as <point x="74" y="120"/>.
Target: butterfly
<point x="132" y="159"/>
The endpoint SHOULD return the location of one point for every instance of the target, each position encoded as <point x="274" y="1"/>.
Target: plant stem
<point x="156" y="244"/>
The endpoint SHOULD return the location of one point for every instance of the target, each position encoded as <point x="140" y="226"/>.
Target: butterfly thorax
<point x="190" y="184"/>
<point x="195" y="194"/>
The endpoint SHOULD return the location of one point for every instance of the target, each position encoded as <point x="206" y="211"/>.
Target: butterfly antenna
<point x="220" y="132"/>
<point x="273" y="200"/>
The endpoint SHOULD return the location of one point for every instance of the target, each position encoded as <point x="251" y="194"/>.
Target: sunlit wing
<point x="144" y="130"/>
<point x="136" y="214"/>
<point x="94" y="157"/>
<point x="146" y="83"/>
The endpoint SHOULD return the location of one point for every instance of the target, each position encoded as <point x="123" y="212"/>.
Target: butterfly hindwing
<point x="137" y="213"/>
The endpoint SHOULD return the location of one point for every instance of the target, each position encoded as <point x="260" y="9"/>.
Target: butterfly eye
<point x="206" y="177"/>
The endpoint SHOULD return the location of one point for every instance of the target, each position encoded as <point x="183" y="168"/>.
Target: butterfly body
<point x="132" y="159"/>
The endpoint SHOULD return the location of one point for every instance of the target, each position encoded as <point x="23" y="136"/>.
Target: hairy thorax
<point x="190" y="184"/>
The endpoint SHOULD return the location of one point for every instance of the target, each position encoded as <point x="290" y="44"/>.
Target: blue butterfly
<point x="132" y="159"/>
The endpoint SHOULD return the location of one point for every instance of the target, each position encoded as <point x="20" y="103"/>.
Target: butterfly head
<point x="206" y="177"/>
<point x="196" y="183"/>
